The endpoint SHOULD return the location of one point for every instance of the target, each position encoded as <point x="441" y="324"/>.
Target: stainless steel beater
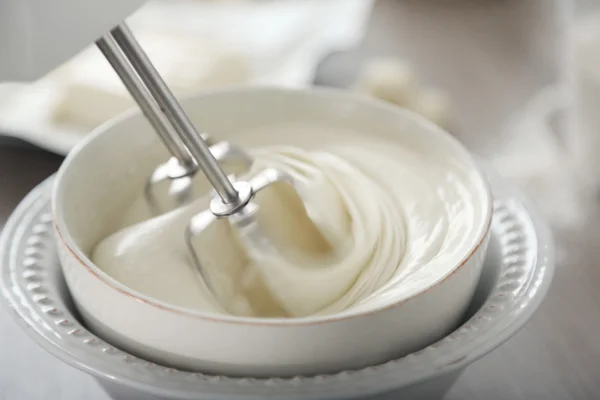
<point x="188" y="148"/>
<point x="191" y="151"/>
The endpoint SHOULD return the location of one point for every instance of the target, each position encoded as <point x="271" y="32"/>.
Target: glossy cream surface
<point x="368" y="222"/>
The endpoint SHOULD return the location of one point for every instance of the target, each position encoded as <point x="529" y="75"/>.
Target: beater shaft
<point x="173" y="111"/>
<point x="164" y="112"/>
<point x="109" y="47"/>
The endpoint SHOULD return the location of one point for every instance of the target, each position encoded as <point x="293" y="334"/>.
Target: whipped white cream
<point x="371" y="221"/>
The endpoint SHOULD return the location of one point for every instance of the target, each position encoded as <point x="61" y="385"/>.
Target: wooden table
<point x="491" y="56"/>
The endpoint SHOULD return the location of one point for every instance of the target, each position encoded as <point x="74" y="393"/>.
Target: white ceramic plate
<point x="517" y="274"/>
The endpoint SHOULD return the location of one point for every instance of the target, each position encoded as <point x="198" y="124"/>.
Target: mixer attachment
<point x="233" y="205"/>
<point x="243" y="218"/>
<point x="171" y="185"/>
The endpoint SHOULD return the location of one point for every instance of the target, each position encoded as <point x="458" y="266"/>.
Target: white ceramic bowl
<point x="102" y="174"/>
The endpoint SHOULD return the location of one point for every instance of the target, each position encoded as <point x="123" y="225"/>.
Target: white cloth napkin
<point x="281" y="41"/>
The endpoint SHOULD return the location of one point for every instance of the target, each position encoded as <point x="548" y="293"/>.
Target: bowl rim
<point x="63" y="234"/>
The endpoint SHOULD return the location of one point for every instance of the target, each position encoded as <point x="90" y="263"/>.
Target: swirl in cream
<point x="385" y="220"/>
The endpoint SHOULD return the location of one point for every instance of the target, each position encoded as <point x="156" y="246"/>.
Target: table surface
<point x="498" y="51"/>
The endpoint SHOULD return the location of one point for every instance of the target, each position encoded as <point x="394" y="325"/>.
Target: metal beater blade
<point x="244" y="219"/>
<point x="191" y="151"/>
<point x="181" y="188"/>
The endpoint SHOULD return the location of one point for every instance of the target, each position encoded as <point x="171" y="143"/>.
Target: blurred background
<point x="514" y="80"/>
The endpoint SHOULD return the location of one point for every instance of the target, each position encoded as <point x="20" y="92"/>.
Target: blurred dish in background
<point x="532" y="155"/>
<point x="394" y="80"/>
<point x="197" y="45"/>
